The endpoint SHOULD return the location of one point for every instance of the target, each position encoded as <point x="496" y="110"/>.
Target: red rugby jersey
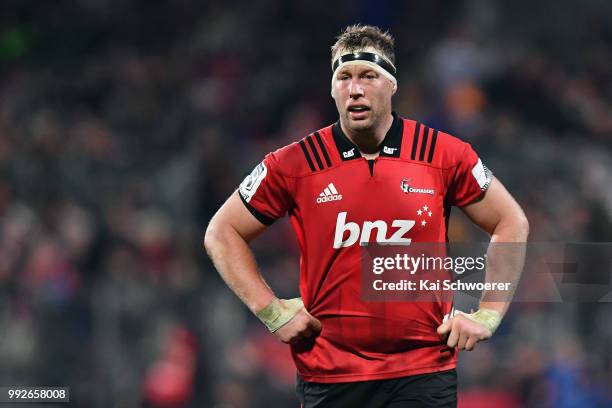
<point x="324" y="184"/>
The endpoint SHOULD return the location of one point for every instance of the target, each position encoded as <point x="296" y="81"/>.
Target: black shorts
<point x="424" y="390"/>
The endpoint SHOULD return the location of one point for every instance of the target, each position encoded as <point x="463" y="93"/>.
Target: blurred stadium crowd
<point x="125" y="124"/>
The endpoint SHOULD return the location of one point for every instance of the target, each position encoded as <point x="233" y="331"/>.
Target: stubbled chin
<point x="365" y="117"/>
<point x="359" y="124"/>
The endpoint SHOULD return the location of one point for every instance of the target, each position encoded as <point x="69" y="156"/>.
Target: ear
<point x="333" y="95"/>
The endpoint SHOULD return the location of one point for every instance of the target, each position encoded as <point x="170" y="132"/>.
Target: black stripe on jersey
<point x="314" y="151"/>
<point x="264" y="219"/>
<point x="323" y="149"/>
<point x="432" y="148"/>
<point x="424" y="143"/>
<point x="415" y="141"/>
<point x="308" y="159"/>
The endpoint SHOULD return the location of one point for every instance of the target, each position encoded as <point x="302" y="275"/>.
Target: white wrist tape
<point x="487" y="317"/>
<point x="279" y="312"/>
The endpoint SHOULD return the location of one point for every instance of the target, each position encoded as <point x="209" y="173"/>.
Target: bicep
<point x="496" y="205"/>
<point x="233" y="213"/>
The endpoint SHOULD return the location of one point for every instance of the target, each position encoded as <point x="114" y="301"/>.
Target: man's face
<point x="362" y="95"/>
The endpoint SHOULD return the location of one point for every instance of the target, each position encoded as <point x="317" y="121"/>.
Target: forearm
<point x="505" y="260"/>
<point x="236" y="264"/>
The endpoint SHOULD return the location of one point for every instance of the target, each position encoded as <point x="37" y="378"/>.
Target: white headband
<point x="370" y="59"/>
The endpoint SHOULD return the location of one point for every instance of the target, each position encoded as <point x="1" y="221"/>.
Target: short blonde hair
<point x="357" y="37"/>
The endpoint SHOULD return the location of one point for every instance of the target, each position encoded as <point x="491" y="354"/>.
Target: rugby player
<point x="364" y="179"/>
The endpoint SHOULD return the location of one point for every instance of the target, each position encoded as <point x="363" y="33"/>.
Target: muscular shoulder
<point x="303" y="157"/>
<point x="432" y="146"/>
<point x="451" y="150"/>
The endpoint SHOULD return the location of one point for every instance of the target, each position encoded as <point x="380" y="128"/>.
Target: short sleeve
<point x="264" y="191"/>
<point x="470" y="179"/>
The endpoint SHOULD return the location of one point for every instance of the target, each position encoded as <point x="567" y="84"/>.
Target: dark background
<point x="125" y="124"/>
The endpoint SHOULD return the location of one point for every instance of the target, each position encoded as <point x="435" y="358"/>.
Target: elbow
<point x="218" y="235"/>
<point x="522" y="226"/>
<point x="211" y="237"/>
<point x="512" y="228"/>
<point x="526" y="226"/>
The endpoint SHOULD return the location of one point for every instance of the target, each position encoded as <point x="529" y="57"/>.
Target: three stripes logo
<point x="424" y="154"/>
<point x="329" y="194"/>
<point x="320" y="155"/>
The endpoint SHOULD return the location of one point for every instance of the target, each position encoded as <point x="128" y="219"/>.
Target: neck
<point x="368" y="140"/>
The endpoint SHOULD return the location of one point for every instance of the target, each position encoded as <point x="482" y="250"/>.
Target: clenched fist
<point x="303" y="325"/>
<point x="464" y="331"/>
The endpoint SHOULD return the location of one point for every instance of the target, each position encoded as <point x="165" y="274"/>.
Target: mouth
<point x="358" y="108"/>
<point x="358" y="111"/>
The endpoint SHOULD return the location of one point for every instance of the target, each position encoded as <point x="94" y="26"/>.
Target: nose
<point x="355" y="89"/>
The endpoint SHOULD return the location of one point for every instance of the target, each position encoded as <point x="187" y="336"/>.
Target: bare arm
<point x="499" y="215"/>
<point x="504" y="220"/>
<point x="226" y="241"/>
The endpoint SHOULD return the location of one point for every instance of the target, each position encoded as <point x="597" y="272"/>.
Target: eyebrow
<point x="366" y="70"/>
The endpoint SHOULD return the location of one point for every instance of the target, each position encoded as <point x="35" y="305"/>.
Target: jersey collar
<point x="391" y="145"/>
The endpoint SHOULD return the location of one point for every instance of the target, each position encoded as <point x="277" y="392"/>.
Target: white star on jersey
<point x="424" y="212"/>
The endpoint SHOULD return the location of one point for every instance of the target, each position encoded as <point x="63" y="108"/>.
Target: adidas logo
<point x="329" y="194"/>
